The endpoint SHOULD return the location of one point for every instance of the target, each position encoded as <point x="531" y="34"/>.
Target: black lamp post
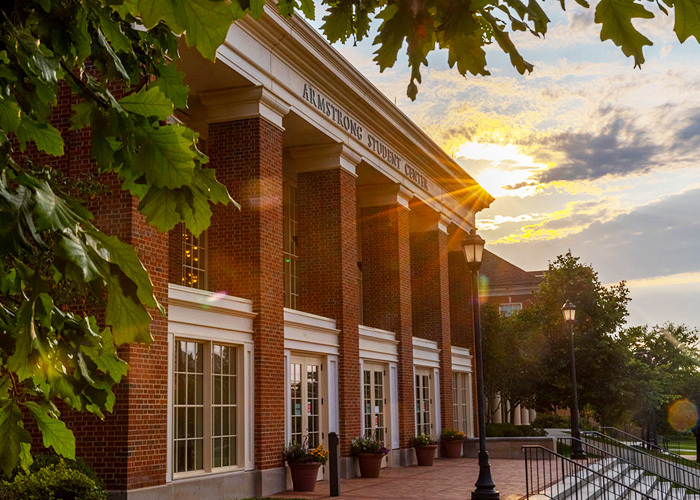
<point x="473" y="246"/>
<point x="577" y="453"/>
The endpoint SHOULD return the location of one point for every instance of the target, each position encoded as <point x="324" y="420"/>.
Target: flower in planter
<point x="301" y="453"/>
<point x="368" y="444"/>
<point x="421" y="440"/>
<point x="452" y="435"/>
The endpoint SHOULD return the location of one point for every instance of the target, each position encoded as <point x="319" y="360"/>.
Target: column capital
<point x="428" y="219"/>
<point x="243" y="102"/>
<point x="377" y="195"/>
<point x="324" y="157"/>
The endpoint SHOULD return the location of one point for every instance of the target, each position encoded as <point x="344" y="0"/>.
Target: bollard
<point x="333" y="463"/>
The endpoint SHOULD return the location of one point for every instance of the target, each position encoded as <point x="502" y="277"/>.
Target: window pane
<point x="224" y="405"/>
<point x="188" y="406"/>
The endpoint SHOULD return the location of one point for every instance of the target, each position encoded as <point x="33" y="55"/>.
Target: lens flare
<point x="683" y="415"/>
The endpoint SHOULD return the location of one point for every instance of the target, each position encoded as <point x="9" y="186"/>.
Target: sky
<point x="586" y="154"/>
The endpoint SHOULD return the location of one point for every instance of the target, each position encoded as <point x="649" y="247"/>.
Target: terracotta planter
<point x="304" y="475"/>
<point x="453" y="448"/>
<point x="425" y="454"/>
<point x="370" y="464"/>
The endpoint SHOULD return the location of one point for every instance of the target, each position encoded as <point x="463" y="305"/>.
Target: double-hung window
<point x="194" y="260"/>
<point x="461" y="402"/>
<point x="289" y="242"/>
<point x="206" y="406"/>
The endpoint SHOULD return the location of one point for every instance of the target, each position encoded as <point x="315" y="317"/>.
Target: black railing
<point x="638" y="442"/>
<point x="551" y="475"/>
<point x="667" y="465"/>
<point x="654" y="484"/>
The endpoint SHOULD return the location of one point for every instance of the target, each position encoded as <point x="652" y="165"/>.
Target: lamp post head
<point x="473" y="246"/>
<point x="569" y="312"/>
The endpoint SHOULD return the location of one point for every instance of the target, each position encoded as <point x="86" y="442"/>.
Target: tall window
<point x="375" y="401"/>
<point x="509" y="309"/>
<point x="461" y="402"/>
<point x="194" y="260"/>
<point x="306" y="402"/>
<point x="206" y="403"/>
<point x="289" y="234"/>
<point x="424" y="403"/>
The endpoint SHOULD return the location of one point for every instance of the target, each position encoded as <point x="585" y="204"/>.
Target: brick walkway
<point x="448" y="479"/>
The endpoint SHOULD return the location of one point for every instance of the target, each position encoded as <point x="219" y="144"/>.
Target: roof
<point x="502" y="273"/>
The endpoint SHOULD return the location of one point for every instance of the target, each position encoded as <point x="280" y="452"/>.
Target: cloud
<point x="677" y="279"/>
<point x="619" y="148"/>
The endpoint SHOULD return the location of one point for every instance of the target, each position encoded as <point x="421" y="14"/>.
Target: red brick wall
<point x="386" y="288"/>
<point x="328" y="276"/>
<point x="128" y="448"/>
<point x="245" y="260"/>
<point x="431" y="306"/>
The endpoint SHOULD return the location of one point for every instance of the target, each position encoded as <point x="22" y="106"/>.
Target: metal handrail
<point x="593" y="453"/>
<point x="555" y="476"/>
<point x="653" y="446"/>
<point x="664" y="465"/>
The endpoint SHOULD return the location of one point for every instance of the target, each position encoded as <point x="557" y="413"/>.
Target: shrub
<point x="421" y="440"/>
<point x="57" y="481"/>
<point x="551" y="421"/>
<point x="452" y="435"/>
<point x="510" y="430"/>
<point x="367" y="445"/>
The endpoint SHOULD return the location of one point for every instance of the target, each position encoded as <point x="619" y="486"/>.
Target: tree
<point x="600" y="313"/>
<point x="508" y="356"/>
<point x="661" y="368"/>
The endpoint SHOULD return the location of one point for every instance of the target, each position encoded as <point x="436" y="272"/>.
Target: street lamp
<point x="473" y="246"/>
<point x="577" y="453"/>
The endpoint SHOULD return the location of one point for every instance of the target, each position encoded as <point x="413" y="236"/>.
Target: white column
<point x="525" y="419"/>
<point x="497" y="405"/>
<point x="517" y="416"/>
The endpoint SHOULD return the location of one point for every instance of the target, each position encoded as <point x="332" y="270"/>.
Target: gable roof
<point x="502" y="273"/>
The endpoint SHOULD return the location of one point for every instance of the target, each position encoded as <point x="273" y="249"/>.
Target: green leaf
<point x="165" y="156"/>
<point x="616" y="16"/>
<point x="124" y="256"/>
<point x="129" y="320"/>
<point x="9" y="114"/>
<point x="106" y="357"/>
<point x="12" y="436"/>
<point x="53" y="431"/>
<point x="148" y="102"/>
<point x="205" y="179"/>
<point x="19" y="361"/>
<point x="160" y="208"/>
<point x="204" y="22"/>
<point x="172" y="83"/>
<point x="71" y="249"/>
<point x="113" y="32"/>
<point x="46" y="136"/>
<point x="687" y="21"/>
<point x="84" y="115"/>
<point x="337" y="25"/>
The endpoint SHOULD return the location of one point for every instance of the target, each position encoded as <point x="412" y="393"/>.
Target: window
<point x="306" y="400"/>
<point x="374" y="401"/>
<point x="194" y="260"/>
<point x="206" y="405"/>
<point x="424" y="403"/>
<point x="289" y="235"/>
<point x="462" y="402"/>
<point x="509" y="309"/>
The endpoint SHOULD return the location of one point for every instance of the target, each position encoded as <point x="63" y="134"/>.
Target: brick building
<point x="511" y="289"/>
<point x="336" y="300"/>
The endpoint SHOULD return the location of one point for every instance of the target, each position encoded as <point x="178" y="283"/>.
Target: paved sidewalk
<point x="448" y="479"/>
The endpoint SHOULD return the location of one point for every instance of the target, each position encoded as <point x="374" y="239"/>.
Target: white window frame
<point x="511" y="306"/>
<point x="290" y="252"/>
<point x="429" y="372"/>
<point x="241" y="408"/>
<point x="462" y="402"/>
<point x="203" y="269"/>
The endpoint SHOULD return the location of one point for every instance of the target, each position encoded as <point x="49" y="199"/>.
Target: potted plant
<point x="369" y="452"/>
<point x="452" y="442"/>
<point x="425" y="447"/>
<point x="304" y="463"/>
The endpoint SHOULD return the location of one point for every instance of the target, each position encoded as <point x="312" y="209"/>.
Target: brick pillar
<point x="431" y="295"/>
<point x="461" y="314"/>
<point x="386" y="284"/>
<point x="128" y="449"/>
<point x="245" y="259"/>
<point x="328" y="274"/>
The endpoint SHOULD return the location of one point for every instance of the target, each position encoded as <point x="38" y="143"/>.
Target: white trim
<point x="362" y="397"/>
<point x="247" y="102"/>
<point x="333" y="396"/>
<point x="425" y="353"/>
<point x="436" y="399"/>
<point x="169" y="425"/>
<point x="324" y="157"/>
<point x="461" y="359"/>
<point x="249" y="408"/>
<point x="287" y="398"/>
<point x="310" y="333"/>
<point x="378" y="345"/>
<point x="379" y="195"/>
<point x="394" y="398"/>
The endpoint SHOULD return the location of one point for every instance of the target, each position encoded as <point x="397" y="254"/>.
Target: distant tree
<point x="660" y="369"/>
<point x="507" y="359"/>
<point x="600" y="359"/>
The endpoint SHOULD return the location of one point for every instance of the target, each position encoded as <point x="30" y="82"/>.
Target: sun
<point x="510" y="171"/>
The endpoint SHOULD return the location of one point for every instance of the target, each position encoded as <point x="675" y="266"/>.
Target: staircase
<point x="601" y="476"/>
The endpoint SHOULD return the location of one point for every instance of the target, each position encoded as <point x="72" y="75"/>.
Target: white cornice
<point x="324" y="157"/>
<point x="379" y="195"/>
<point x="239" y="103"/>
